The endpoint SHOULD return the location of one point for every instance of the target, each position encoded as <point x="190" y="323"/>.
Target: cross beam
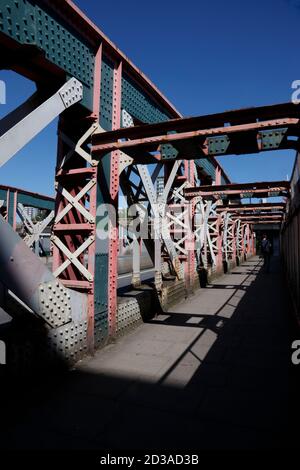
<point x="263" y="222"/>
<point x="260" y="216"/>
<point x="252" y="207"/>
<point x="249" y="130"/>
<point x="261" y="189"/>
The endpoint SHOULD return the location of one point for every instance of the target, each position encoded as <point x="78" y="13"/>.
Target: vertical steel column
<point x="114" y="194"/>
<point x="7" y="205"/>
<point x="218" y="174"/>
<point x="248" y="240"/>
<point x="234" y="247"/>
<point x="253" y="242"/>
<point x="11" y="208"/>
<point x="74" y="226"/>
<point x="219" y="243"/>
<point x="136" y="261"/>
<point x="14" y="225"/>
<point x="74" y="232"/>
<point x="243" y="241"/>
<point x="157" y="254"/>
<point x="205" y="241"/>
<point x="92" y="261"/>
<point x="189" y="168"/>
<point x="219" y="225"/>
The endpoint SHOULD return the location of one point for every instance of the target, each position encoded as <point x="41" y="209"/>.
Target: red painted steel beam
<point x="260" y="216"/>
<point x="190" y="242"/>
<point x="102" y="143"/>
<point x="237" y="189"/>
<point x="258" y="222"/>
<point x="114" y="194"/>
<point x="276" y="114"/>
<point x="252" y="207"/>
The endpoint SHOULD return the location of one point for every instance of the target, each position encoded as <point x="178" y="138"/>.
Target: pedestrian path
<point x="213" y="373"/>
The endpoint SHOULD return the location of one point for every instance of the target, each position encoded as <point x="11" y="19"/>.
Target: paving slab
<point x="211" y="373"/>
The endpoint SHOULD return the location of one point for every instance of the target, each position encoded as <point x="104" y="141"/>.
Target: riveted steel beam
<point x="236" y="132"/>
<point x="273" y="188"/>
<point x="252" y="207"/>
<point x="29" y="126"/>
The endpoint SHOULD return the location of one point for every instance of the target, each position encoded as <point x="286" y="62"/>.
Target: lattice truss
<point x="167" y="213"/>
<point x="242" y="231"/>
<point x="138" y="183"/>
<point x="206" y="229"/>
<point x="74" y="225"/>
<point x="33" y="230"/>
<point x="217" y="235"/>
<point x="139" y="212"/>
<point x="177" y="213"/>
<point x="229" y="237"/>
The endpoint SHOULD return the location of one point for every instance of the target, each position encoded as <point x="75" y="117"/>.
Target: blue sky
<point x="205" y="56"/>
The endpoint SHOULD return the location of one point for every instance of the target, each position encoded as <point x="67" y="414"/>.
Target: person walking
<point x="266" y="252"/>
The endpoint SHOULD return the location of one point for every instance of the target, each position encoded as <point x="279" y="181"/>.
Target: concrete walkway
<point x="211" y="374"/>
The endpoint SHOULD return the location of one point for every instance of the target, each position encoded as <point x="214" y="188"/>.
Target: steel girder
<point x="264" y="128"/>
<point x="246" y="190"/>
<point x="254" y="208"/>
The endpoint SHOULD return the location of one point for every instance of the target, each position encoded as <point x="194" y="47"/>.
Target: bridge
<point x="161" y="307"/>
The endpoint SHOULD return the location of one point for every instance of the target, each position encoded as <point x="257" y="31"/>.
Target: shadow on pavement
<point x="230" y="386"/>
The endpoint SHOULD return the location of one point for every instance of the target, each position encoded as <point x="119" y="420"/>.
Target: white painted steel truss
<point x="34" y="230"/>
